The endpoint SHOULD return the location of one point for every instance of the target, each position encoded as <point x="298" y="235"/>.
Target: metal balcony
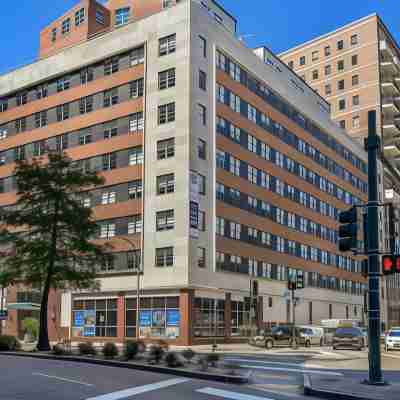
<point x="391" y="88"/>
<point x="385" y="49"/>
<point x="391" y="105"/>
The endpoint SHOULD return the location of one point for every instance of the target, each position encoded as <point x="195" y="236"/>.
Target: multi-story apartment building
<point x="356" y="68"/>
<point x="220" y="167"/>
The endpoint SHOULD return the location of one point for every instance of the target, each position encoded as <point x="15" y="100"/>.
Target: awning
<point x="23" y="306"/>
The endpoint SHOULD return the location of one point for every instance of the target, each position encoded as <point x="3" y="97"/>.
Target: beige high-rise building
<point x="357" y="69"/>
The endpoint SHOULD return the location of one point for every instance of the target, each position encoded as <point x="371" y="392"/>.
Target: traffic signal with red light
<point x="390" y="265"/>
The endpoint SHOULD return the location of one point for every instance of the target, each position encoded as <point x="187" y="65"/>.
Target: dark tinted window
<point x="348" y="332"/>
<point x="394" y="333"/>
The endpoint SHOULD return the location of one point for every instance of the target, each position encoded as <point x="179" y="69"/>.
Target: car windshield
<point x="394" y="333"/>
<point x="347" y="331"/>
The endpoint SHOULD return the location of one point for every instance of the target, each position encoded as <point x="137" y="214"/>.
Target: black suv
<point x="277" y="336"/>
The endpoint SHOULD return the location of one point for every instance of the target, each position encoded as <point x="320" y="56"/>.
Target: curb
<point x="142" y="367"/>
<point x="326" y="394"/>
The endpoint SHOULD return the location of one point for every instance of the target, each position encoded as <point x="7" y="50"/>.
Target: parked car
<point x="348" y="338"/>
<point x="392" y="339"/>
<point x="312" y="335"/>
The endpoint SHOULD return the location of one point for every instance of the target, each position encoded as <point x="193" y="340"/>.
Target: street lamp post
<point x="138" y="272"/>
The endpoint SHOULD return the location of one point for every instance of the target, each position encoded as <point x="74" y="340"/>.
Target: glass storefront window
<point x="209" y="317"/>
<point x="240" y="318"/>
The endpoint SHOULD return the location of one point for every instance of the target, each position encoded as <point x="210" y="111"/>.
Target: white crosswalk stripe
<point x="226" y="394"/>
<point x="298" y="370"/>
<point x="122" y="394"/>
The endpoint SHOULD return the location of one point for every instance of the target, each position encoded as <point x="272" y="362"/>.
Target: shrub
<point x="172" y="360"/>
<point x="31" y="327"/>
<point x="59" y="350"/>
<point x="188" y="354"/>
<point x="212" y="359"/>
<point x="86" y="348"/>
<point x="8" y="343"/>
<point x="131" y="349"/>
<point x="156" y="353"/>
<point x="203" y="364"/>
<point x="110" y="350"/>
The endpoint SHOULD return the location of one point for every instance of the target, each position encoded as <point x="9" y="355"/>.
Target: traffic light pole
<point x="294" y="342"/>
<point x="372" y="234"/>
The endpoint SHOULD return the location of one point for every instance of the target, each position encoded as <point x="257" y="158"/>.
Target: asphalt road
<point x="33" y="379"/>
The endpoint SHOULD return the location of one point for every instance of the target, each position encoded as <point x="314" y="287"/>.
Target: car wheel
<point x="295" y="343"/>
<point x="321" y="342"/>
<point x="334" y="348"/>
<point x="308" y="343"/>
<point x="269" y="344"/>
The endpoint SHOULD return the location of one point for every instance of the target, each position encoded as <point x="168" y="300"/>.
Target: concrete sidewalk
<point x="348" y="388"/>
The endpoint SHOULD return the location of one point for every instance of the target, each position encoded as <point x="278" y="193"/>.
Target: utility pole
<point x="372" y="145"/>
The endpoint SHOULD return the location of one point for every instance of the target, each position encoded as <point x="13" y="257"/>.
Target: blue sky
<point x="275" y="23"/>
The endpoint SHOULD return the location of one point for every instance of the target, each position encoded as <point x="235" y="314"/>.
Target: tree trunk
<point x="43" y="342"/>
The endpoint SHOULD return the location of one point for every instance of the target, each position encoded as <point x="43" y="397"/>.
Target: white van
<point x="313" y="335"/>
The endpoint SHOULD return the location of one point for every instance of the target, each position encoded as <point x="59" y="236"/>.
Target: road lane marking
<point x="301" y="371"/>
<point x="62" y="379"/>
<point x="263" y="362"/>
<point x="230" y="395"/>
<point x="121" y="394"/>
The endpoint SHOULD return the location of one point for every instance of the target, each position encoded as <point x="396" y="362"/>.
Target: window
<point x="20" y="124"/>
<point x="111" y="66"/>
<point x="135" y="224"/>
<point x="3" y="135"/>
<point x="356" y="121"/>
<point x="85" y="138"/>
<point x="201" y="149"/>
<point x="164" y="257"/>
<point x="41" y="119"/>
<point x="202" y="221"/>
<point x="165" y="184"/>
<point x="166" y="113"/>
<point x="86" y="75"/>
<point x="166" y="79"/>
<point x="109" y="161"/>
<point x="328" y="69"/>
<point x="167" y="45"/>
<point x="41" y="92"/>
<point x="167" y="3"/>
<point x="136" y="122"/>
<point x="135" y="189"/>
<point x="137" y="56"/>
<point x="354" y="40"/>
<point x="354" y="59"/>
<point x="136" y="88"/>
<point x="315" y="74"/>
<point x="39" y="148"/>
<point x="54" y="35"/>
<point x="342" y="104"/>
<point x="340" y="65"/>
<point x="110" y="132"/>
<point x="202" y="80"/>
<point x="63" y="84"/>
<point x="79" y="17"/>
<point x="327" y="51"/>
<point x="202" y="184"/>
<point x="3" y="105"/>
<point x="202" y="113"/>
<point x="65" y="26"/>
<point x="315" y="55"/>
<point x="201" y="257"/>
<point x="86" y="104"/>
<point x="328" y="89"/>
<point x="203" y="46"/>
<point x="342" y="124"/>
<point x="21" y="98"/>
<point x="290" y="64"/>
<point x="356" y="100"/>
<point x="108" y="198"/>
<point x="341" y="84"/>
<point x="302" y="60"/>
<point x="355" y="80"/>
<point x="165" y="220"/>
<point x="122" y="16"/>
<point x="165" y="148"/>
<point x="136" y="156"/>
<point x="62" y="112"/>
<point x="100" y="17"/>
<point x="107" y="230"/>
<point x="110" y="97"/>
<point x="340" y="45"/>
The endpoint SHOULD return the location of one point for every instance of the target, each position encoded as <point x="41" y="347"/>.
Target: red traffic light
<point x="390" y="264"/>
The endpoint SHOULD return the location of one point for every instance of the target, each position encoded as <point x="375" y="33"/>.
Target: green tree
<point x="49" y="231"/>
